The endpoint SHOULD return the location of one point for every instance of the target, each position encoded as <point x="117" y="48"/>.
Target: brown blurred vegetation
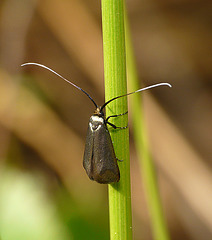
<point x="43" y="121"/>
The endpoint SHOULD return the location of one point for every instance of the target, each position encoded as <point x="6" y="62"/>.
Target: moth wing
<point x="88" y="154"/>
<point x="104" y="162"/>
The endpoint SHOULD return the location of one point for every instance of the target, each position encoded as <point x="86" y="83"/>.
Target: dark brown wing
<point x="105" y="167"/>
<point x="88" y="154"/>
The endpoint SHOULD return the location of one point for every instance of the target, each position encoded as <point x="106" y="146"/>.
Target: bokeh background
<point x="44" y="190"/>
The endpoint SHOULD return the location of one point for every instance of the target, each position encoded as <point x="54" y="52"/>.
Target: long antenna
<point x="43" y="66"/>
<point x="139" y="90"/>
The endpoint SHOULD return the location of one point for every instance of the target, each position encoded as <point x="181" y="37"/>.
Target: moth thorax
<point x="96" y="122"/>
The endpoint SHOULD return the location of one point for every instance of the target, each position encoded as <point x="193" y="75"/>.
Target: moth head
<point x="99" y="112"/>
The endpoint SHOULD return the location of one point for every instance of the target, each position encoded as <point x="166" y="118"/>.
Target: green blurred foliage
<point x="28" y="212"/>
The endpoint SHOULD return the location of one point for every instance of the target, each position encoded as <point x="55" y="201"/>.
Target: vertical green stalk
<point x="115" y="85"/>
<point x="158" y="223"/>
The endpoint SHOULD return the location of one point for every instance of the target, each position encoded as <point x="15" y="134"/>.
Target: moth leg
<point x="119" y="160"/>
<point x="114" y="126"/>
<point x="116" y="115"/>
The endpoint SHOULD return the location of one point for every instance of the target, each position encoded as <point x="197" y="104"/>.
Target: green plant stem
<point x="115" y="85"/>
<point x="158" y="223"/>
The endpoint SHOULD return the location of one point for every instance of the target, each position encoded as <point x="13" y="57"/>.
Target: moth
<point x="100" y="160"/>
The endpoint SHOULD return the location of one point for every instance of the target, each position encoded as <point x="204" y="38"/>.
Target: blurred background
<point x="44" y="190"/>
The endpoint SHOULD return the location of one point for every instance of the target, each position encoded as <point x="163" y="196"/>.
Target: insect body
<point x="99" y="161"/>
